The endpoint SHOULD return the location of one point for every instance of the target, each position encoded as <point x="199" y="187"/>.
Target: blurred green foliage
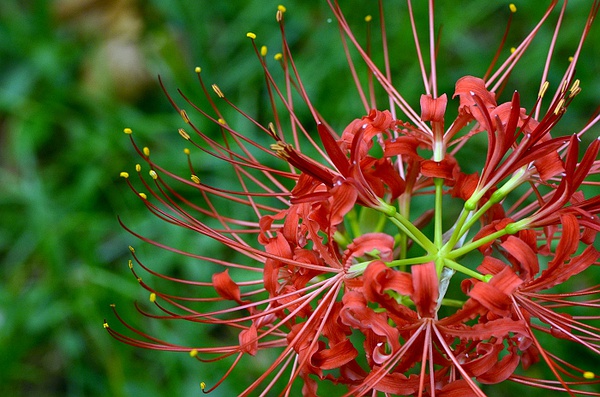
<point x="75" y="73"/>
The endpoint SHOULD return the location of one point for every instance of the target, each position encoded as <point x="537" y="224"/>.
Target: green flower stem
<point x="354" y="224"/>
<point x="341" y="239"/>
<point x="452" y="302"/>
<point x="515" y="181"/>
<point x="438" y="216"/>
<point x="404" y="208"/>
<point x="411" y="231"/>
<point x="438" y="233"/>
<point x="465" y="270"/>
<point x="456" y="235"/>
<point x="511" y="228"/>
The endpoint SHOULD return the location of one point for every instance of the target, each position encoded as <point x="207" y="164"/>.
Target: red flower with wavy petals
<point x="345" y="263"/>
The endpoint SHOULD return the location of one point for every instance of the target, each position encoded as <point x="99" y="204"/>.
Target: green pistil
<point x="449" y="263"/>
<point x="511" y="228"/>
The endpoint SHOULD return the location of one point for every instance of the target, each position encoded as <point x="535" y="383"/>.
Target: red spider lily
<point x="337" y="273"/>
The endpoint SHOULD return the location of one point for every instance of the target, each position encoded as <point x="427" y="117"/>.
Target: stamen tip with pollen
<point x="186" y="151"/>
<point x="281" y="8"/>
<point x="194" y="353"/>
<point x="589" y="375"/>
<point x="218" y="91"/>
<point x="128" y="131"/>
<point x="278" y="56"/>
<point x="184" y="134"/>
<point x="184" y="116"/>
<point x="368" y="18"/>
<point x="512" y="7"/>
<point x="543" y="89"/>
<point x="143" y="196"/>
<point x="153" y="174"/>
<point x="197" y="69"/>
<point x="263" y="51"/>
<point x="251" y="35"/>
<point x="124" y="174"/>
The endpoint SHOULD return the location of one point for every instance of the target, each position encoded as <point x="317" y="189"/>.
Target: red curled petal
<point x="438" y="169"/>
<point x="469" y="87"/>
<point x="458" y="388"/>
<point x="503" y="368"/>
<point x="426" y="290"/>
<point x="249" y="340"/>
<point x="526" y="259"/>
<point x="339" y="354"/>
<point x="226" y="287"/>
<point x="433" y="109"/>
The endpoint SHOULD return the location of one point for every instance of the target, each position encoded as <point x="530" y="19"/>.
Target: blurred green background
<point x="74" y="73"/>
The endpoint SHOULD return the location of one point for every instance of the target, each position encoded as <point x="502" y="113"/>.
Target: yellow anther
<point x="184" y="134"/>
<point x="218" y="91"/>
<point x="589" y="375"/>
<point x="543" y="89"/>
<point x="186" y="151"/>
<point x="128" y="131"/>
<point x="512" y="50"/>
<point x="221" y="121"/>
<point x="146" y="151"/>
<point x="278" y="56"/>
<point x="143" y="195"/>
<point x="575" y="89"/>
<point x="513" y="8"/>
<point x="124" y="174"/>
<point x="130" y="264"/>
<point x="195" y="179"/>
<point x="281" y="8"/>
<point x="138" y="167"/>
<point x="368" y="18"/>
<point x="153" y="174"/>
<point x="202" y="386"/>
<point x="263" y="51"/>
<point x="105" y="325"/>
<point x="152" y="297"/>
<point x="251" y="35"/>
<point x="571" y="59"/>
<point x="132" y="249"/>
<point x="272" y="130"/>
<point x="564" y="86"/>
<point x="279" y="149"/>
<point x="197" y="69"/>
<point x="559" y="107"/>
<point x="194" y="353"/>
<point x="184" y="116"/>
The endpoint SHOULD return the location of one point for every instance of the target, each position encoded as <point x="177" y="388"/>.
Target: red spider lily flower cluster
<point x="351" y="285"/>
